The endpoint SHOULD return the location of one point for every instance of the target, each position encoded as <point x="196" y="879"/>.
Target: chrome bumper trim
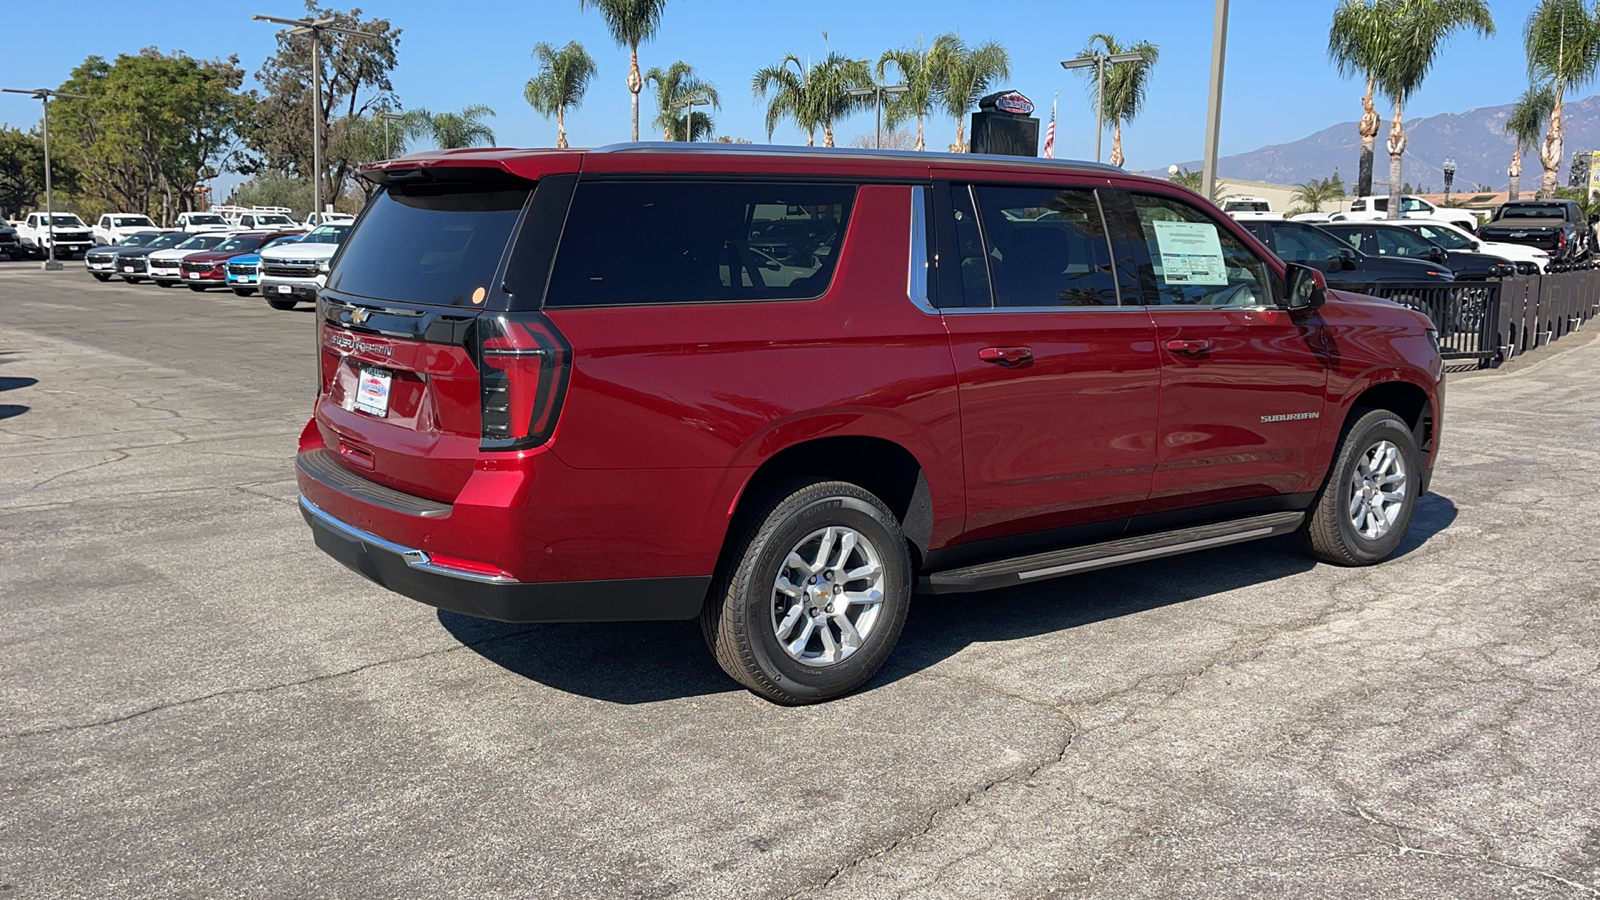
<point x="416" y="559"/>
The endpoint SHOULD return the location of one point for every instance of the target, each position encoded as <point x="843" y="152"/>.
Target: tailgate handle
<point x="1188" y="346"/>
<point x="1006" y="356"/>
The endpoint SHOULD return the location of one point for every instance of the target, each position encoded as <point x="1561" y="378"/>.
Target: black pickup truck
<point x="1557" y="227"/>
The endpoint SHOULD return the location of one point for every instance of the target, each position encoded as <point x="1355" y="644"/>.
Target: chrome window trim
<point x="917" y="270"/>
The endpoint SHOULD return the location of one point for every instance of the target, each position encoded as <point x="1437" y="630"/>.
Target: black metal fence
<point x="1493" y="321"/>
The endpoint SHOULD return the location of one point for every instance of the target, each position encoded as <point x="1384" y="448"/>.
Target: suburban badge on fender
<point x="1291" y="417"/>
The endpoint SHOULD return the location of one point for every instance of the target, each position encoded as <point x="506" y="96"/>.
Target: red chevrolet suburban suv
<point x="785" y="390"/>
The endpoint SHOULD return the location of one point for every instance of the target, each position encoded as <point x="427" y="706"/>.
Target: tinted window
<point x="1303" y="245"/>
<point x="1355" y="238"/>
<point x="1197" y="262"/>
<point x="974" y="264"/>
<point x="1531" y="212"/>
<point x="1047" y="247"/>
<point x="1399" y="242"/>
<point x="127" y="221"/>
<point x="202" y="242"/>
<point x="687" y="242"/>
<point x="1246" y="206"/>
<point x="206" y="220"/>
<point x="241" y="244"/>
<point x="286" y="239"/>
<point x="138" y="239"/>
<point x="428" y="243"/>
<point x="1444" y="237"/>
<point x="170" y="239"/>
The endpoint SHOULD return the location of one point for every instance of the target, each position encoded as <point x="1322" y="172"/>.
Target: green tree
<point x="1125" y="84"/>
<point x="151" y="129"/>
<point x="672" y="87"/>
<point x="1196" y="181"/>
<point x="963" y="74"/>
<point x="912" y="65"/>
<point x="631" y="22"/>
<point x="1417" y="30"/>
<point x="812" y="96"/>
<point x="272" y="189"/>
<point x="450" y="130"/>
<point x="563" y="79"/>
<point x="355" y="82"/>
<point x="1562" y="40"/>
<point x="1357" y="41"/>
<point x="1525" y="124"/>
<point x="22" y="172"/>
<point x="1312" y="194"/>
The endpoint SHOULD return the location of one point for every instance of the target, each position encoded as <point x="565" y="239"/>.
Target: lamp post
<point x="1219" y="51"/>
<point x="876" y="92"/>
<point x="387" y="118"/>
<point x="1100" y="62"/>
<point x="688" y="106"/>
<point x="44" y="95"/>
<point x="315" y="28"/>
<point x="1449" y="176"/>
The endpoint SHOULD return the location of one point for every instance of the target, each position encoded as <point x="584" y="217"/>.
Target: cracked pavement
<point x="195" y="702"/>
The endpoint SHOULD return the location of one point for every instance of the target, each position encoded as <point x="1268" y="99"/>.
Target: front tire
<point x="812" y="595"/>
<point x="198" y="289"/>
<point x="100" y="276"/>
<point x="1364" y="508"/>
<point x="244" y="292"/>
<point x="166" y="284"/>
<point x="275" y="303"/>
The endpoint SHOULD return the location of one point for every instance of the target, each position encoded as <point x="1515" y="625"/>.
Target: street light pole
<point x="1219" y="48"/>
<point x="43" y="95"/>
<point x="1449" y="177"/>
<point x="876" y="92"/>
<point x="315" y="28"/>
<point x="387" y="118"/>
<point x="1100" y="61"/>
<point x="688" y="106"/>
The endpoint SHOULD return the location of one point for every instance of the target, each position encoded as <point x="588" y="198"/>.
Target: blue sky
<point x="1280" y="86"/>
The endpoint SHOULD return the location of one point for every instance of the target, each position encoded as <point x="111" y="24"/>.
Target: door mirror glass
<point x="1307" y="288"/>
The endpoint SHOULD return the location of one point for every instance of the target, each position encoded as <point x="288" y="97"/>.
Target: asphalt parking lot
<point x="195" y="702"/>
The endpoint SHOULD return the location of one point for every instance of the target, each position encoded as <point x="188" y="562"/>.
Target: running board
<point x="1056" y="563"/>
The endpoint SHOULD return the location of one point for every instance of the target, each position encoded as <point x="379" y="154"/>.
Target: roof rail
<point x="847" y="152"/>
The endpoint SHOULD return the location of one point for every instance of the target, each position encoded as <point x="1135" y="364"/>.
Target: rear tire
<point x="812" y="594"/>
<point x="281" y="304"/>
<point x="1364" y="508"/>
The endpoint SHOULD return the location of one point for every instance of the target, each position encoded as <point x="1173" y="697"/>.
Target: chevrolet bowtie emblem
<point x="358" y="316"/>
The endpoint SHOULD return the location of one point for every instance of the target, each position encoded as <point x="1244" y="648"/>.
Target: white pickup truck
<point x="1244" y="208"/>
<point x="113" y="227"/>
<point x="201" y="222"/>
<point x="67" y="232"/>
<point x="1366" y="209"/>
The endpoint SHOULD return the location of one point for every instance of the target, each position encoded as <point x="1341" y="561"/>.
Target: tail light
<point x="523" y="367"/>
<point x="1561" y="240"/>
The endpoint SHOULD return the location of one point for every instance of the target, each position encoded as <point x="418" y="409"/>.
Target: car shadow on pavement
<point x="646" y="662"/>
<point x="12" y="410"/>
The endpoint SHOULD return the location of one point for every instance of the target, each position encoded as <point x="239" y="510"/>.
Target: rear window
<point x="1531" y="212"/>
<point x="1246" y="206"/>
<point x="629" y="242"/>
<point x="427" y="243"/>
<point x="206" y="220"/>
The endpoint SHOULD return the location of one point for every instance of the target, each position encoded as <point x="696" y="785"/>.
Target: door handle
<point x="1006" y="356"/>
<point x="1188" y="346"/>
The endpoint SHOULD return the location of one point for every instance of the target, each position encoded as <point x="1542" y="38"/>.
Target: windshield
<point x="138" y="239"/>
<point x="67" y="219"/>
<point x="1531" y="212"/>
<point x="130" y="221"/>
<point x="241" y="243"/>
<point x="1247" y="206"/>
<point x="206" y="220"/>
<point x="170" y="239"/>
<point x="274" y="220"/>
<point x="286" y="239"/>
<point x="326" y="234"/>
<point x="1444" y="237"/>
<point x="201" y="242"/>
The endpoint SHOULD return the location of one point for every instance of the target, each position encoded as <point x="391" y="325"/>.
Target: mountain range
<point x="1475" y="138"/>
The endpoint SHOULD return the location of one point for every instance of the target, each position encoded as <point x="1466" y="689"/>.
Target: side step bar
<point x="1056" y="563"/>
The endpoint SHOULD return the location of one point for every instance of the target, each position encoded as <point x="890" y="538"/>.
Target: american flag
<point x="1050" y="133"/>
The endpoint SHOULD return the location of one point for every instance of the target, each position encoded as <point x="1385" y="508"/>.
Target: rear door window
<point x="1047" y="246"/>
<point x="436" y="244"/>
<point x="634" y="242"/>
<point x="1302" y="245"/>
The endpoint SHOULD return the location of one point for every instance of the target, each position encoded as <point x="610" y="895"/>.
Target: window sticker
<point x="1190" y="253"/>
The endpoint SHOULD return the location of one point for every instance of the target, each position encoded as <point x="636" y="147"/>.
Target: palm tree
<point x="1562" y="39"/>
<point x="1417" y="28"/>
<point x="812" y="96"/>
<point x="962" y="75"/>
<point x="631" y="22"/>
<point x="563" y="78"/>
<point x="1123" y="98"/>
<point x="1312" y="194"/>
<point x="1195" y="181"/>
<point x="1525" y="124"/>
<point x="1355" y="43"/>
<point x="918" y="76"/>
<point x="677" y="84"/>
<point x="450" y="130"/>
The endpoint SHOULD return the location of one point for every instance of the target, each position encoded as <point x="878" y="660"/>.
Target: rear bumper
<point x="409" y="571"/>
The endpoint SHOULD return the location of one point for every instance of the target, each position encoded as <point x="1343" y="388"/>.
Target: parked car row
<point x="273" y="262"/>
<point x="71" y="237"/>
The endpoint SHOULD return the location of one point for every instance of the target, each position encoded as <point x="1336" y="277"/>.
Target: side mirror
<point x="1438" y="255"/>
<point x="1307" y="288"/>
<point x="1347" y="258"/>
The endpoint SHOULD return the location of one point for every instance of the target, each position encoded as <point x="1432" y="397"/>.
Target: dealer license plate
<point x="372" y="392"/>
<point x="283" y="289"/>
<point x="127" y="268"/>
